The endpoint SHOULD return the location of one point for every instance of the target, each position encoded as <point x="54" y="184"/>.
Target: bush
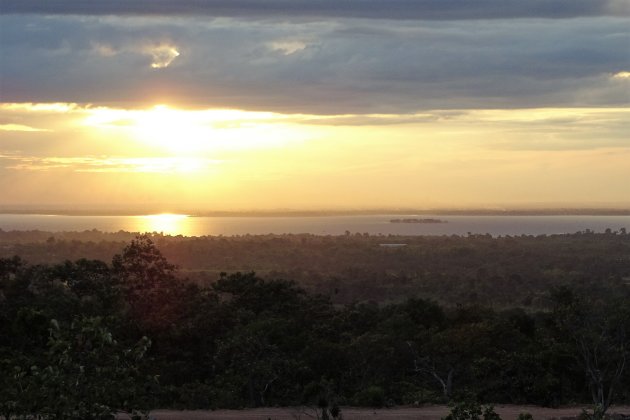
<point x="373" y="396"/>
<point x="195" y="396"/>
<point x="472" y="410"/>
<point x="597" y="414"/>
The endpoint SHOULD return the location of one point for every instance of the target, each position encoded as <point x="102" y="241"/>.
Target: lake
<point x="173" y="224"/>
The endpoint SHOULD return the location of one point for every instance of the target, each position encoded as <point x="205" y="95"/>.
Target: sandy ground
<point x="507" y="412"/>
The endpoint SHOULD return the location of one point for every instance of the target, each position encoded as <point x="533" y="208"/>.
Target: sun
<point x="185" y="132"/>
<point x="178" y="131"/>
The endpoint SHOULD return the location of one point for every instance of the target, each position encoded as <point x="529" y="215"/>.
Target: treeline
<point x="504" y="271"/>
<point x="83" y="339"/>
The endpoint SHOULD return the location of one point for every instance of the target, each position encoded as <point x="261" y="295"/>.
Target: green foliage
<point x="195" y="396"/>
<point x="322" y="395"/>
<point x="372" y="396"/>
<point x="85" y="374"/>
<point x="598" y="330"/>
<point x="471" y="410"/>
<point x="490" y="414"/>
<point x="598" y="412"/>
<point x="505" y="271"/>
<point x="466" y="410"/>
<point x="147" y="282"/>
<point x="525" y="416"/>
<point x="247" y="340"/>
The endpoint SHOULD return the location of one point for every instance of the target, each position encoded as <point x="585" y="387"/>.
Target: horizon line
<point x="481" y="211"/>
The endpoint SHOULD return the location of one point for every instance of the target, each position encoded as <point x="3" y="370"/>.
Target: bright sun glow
<point x="183" y="132"/>
<point x="179" y="131"/>
<point x="166" y="223"/>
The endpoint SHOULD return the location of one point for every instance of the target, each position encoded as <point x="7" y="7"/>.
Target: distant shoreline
<point x="330" y="213"/>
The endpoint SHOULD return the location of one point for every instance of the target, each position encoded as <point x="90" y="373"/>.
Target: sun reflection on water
<point x="166" y="223"/>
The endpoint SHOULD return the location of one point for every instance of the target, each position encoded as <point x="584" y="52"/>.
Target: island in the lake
<point x="417" y="221"/>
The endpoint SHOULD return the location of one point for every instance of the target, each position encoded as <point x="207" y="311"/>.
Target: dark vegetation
<point x="502" y="272"/>
<point x="536" y="320"/>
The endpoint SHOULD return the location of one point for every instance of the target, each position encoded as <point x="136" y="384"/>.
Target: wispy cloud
<point x="161" y="116"/>
<point x="56" y="107"/>
<point x="108" y="164"/>
<point x="20" y="127"/>
<point x="287" y="47"/>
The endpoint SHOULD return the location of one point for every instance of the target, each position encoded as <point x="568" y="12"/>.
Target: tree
<point x="598" y="332"/>
<point x="148" y="284"/>
<point x="426" y="365"/>
<point x="85" y="374"/>
<point x="249" y="360"/>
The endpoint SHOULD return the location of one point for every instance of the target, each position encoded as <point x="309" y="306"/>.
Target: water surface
<point x="319" y="225"/>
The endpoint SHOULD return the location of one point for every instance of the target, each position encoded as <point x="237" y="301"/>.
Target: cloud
<point x="104" y="50"/>
<point x="86" y="134"/>
<point x="107" y="164"/>
<point x="341" y="66"/>
<point x="372" y="9"/>
<point x="19" y="127"/>
<point x="162" y="55"/>
<point x="287" y="47"/>
<point x="55" y="107"/>
<point x="377" y="119"/>
<point x="454" y="150"/>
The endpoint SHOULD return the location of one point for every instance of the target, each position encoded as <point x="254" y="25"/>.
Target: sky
<point x="198" y="105"/>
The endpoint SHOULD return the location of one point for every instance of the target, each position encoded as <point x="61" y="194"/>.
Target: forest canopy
<point x="139" y="333"/>
<point x="500" y="271"/>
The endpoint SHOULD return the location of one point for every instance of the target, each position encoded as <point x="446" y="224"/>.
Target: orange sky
<point x="227" y="159"/>
<point x="219" y="105"/>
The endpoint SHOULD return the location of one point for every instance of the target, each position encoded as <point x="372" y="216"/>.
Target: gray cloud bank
<point x="379" y="9"/>
<point x="321" y="67"/>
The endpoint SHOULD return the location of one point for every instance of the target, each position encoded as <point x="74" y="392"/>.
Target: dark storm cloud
<point x="380" y="9"/>
<point x="322" y="67"/>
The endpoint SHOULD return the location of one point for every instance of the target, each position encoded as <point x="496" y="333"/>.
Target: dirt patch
<point x="436" y="412"/>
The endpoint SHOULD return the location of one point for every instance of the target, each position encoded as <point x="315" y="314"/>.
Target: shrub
<point x="471" y="410"/>
<point x="373" y="396"/>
